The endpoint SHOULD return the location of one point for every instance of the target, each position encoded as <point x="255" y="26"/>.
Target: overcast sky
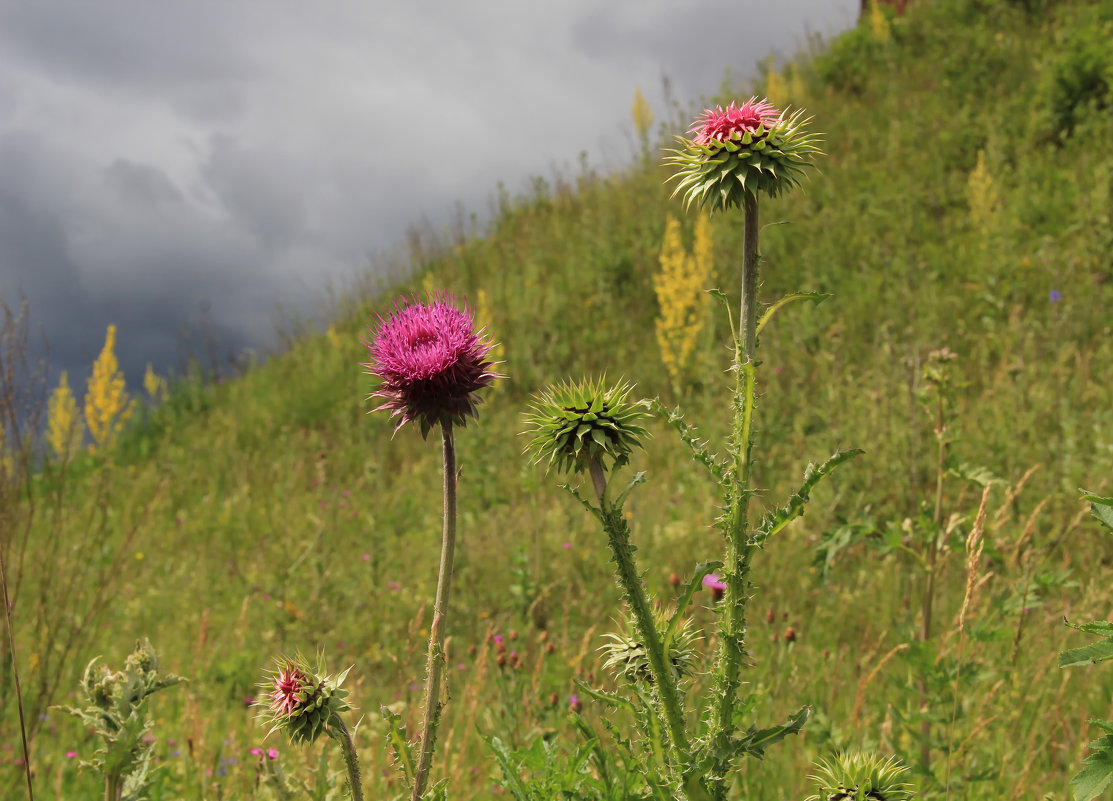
<point x="165" y="162"/>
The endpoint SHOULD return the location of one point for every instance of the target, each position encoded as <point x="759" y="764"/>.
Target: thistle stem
<point x="664" y="677"/>
<point x="351" y="759"/>
<point x="732" y="639"/>
<point x="435" y="662"/>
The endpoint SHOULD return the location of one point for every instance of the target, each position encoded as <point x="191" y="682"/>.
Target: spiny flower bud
<point x="737" y="152"/>
<point x="626" y="655"/>
<point x="301" y="700"/>
<point x="574" y="424"/>
<point x="853" y="775"/>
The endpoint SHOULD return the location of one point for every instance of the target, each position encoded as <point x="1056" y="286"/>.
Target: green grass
<point x="272" y="513"/>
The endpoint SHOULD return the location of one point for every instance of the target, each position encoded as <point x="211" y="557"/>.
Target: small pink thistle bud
<point x="301" y="700"/>
<point x="430" y="361"/>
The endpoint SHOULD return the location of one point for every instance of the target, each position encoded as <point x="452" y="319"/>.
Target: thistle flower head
<point x="301" y="699"/>
<point x="854" y="775"/>
<point x="719" y="124"/>
<point x="573" y="424"/>
<point x="737" y="152"/>
<point x="626" y="655"/>
<point x="430" y="361"/>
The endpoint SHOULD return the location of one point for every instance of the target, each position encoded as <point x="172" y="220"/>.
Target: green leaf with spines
<point x="777" y="519"/>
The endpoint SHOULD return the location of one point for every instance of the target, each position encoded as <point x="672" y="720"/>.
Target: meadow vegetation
<point x="961" y="222"/>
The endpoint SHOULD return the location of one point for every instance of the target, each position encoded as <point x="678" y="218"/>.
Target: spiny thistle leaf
<point x="779" y="518"/>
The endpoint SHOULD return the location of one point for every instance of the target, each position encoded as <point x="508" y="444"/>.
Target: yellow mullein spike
<point x="64" y="430"/>
<point x="680" y="288"/>
<point x="483" y="323"/>
<point x="981" y="192"/>
<point x="429" y="285"/>
<point x="643" y="118"/>
<point x="775" y="88"/>
<point x="154" y="384"/>
<point x="7" y="467"/>
<point x="333" y="338"/>
<point x="796" y="86"/>
<point x="107" y="405"/>
<point x="879" y="24"/>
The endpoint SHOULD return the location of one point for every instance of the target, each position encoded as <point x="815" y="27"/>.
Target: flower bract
<point x="301" y="699"/>
<point x="626" y="652"/>
<point x="430" y="362"/>
<point x="855" y="774"/>
<point x="740" y="151"/>
<point x="574" y="424"/>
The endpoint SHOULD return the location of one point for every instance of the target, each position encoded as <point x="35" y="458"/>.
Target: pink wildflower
<point x="430" y="361"/>
<point x="288" y="685"/>
<point x="718" y="124"/>
<point x="717" y="587"/>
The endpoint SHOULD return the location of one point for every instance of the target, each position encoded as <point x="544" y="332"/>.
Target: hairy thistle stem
<point x="435" y="663"/>
<point x="664" y="677"/>
<point x="351" y="760"/>
<point x="732" y="646"/>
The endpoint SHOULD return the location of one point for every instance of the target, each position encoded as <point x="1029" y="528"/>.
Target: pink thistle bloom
<point x="718" y="125"/>
<point x="430" y="361"/>
<point x="71" y="754"/>
<point x="711" y="581"/>
<point x="288" y="686"/>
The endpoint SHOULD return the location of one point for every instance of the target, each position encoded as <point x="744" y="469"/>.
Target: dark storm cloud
<point x="168" y="164"/>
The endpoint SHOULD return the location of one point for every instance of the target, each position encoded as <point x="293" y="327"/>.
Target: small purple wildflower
<point x="567" y="546"/>
<point x="71" y="755"/>
<point x="1056" y="296"/>
<point x="272" y="753"/>
<point x="498" y="639"/>
<point x="711" y="581"/>
<point x="717" y="587"/>
<point x="367" y="557"/>
<point x="430" y="361"/>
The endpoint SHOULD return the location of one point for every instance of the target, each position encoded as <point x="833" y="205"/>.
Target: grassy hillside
<point x="964" y="203"/>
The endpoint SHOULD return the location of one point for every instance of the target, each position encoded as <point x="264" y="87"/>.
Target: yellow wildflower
<point x="64" y="430"/>
<point x="643" y="119"/>
<point x="981" y="193"/>
<point x="680" y="288"/>
<point x="154" y="384"/>
<point x="879" y="23"/>
<point x="107" y="406"/>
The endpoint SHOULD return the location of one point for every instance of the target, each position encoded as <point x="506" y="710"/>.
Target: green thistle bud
<point x="857" y="776"/>
<point x="302" y="700"/>
<point x="626" y="656"/>
<point x="741" y="151"/>
<point x="575" y="424"/>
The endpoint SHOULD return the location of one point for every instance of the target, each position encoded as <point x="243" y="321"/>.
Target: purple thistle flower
<point x="430" y="361"/>
<point x="711" y="581"/>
